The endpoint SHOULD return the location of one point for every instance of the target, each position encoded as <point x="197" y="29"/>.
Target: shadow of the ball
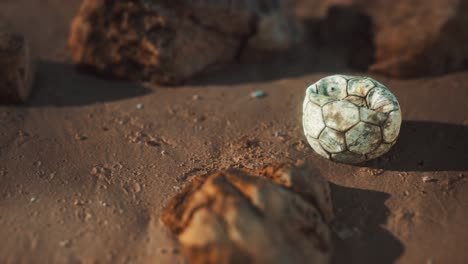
<point x="426" y="146"/>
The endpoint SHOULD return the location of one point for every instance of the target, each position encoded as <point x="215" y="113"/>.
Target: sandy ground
<point x="85" y="172"/>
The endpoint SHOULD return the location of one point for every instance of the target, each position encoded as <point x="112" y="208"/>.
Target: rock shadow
<point x="58" y="84"/>
<point x="359" y="235"/>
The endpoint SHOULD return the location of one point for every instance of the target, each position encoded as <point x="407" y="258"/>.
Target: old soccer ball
<point x="350" y="119"/>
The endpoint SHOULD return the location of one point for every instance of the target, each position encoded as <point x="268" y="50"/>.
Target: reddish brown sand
<point x="84" y="173"/>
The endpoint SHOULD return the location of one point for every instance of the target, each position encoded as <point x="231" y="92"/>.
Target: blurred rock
<point x="165" y="42"/>
<point x="418" y="37"/>
<point x="16" y="71"/>
<point x="279" y="214"/>
<point x="346" y="32"/>
<point x="412" y="38"/>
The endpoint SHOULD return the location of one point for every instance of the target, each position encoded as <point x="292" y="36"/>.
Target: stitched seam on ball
<point x="382" y="129"/>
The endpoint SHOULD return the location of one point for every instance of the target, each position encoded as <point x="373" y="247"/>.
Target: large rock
<point x="16" y="71"/>
<point x="276" y="215"/>
<point x="412" y="38"/>
<point x="419" y="37"/>
<point x="166" y="42"/>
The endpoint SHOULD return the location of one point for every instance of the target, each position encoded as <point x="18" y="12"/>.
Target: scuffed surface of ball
<point x="350" y="119"/>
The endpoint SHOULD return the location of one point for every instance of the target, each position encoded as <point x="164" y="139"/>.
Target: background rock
<point x="419" y="38"/>
<point x="276" y="215"/>
<point x="16" y="71"/>
<point x="412" y="38"/>
<point x="165" y="42"/>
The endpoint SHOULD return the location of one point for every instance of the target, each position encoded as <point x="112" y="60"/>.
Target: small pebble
<point x="177" y="188"/>
<point x="78" y="203"/>
<point x="428" y="179"/>
<point x="65" y="243"/>
<point x="33" y="199"/>
<point x="140" y="106"/>
<point x="80" y="137"/>
<point x="88" y="216"/>
<point x="257" y="94"/>
<point x="137" y="187"/>
<point x="280" y="136"/>
<point x="196" y="97"/>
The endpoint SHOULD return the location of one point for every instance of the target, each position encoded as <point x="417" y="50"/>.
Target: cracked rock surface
<point x="278" y="214"/>
<point x="166" y="42"/>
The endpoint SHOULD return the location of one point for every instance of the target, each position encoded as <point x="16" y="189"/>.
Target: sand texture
<point x="88" y="165"/>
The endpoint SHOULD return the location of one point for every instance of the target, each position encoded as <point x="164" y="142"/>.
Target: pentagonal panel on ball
<point x="360" y="86"/>
<point x="333" y="86"/>
<point x="332" y="140"/>
<point x="348" y="157"/>
<point x="319" y="99"/>
<point x="314" y="143"/>
<point x="391" y="128"/>
<point x="382" y="100"/>
<point x="363" y="138"/>
<point x="312" y="120"/>
<point x="382" y="149"/>
<point x="340" y="115"/>
<point x="373" y="117"/>
<point x="357" y="100"/>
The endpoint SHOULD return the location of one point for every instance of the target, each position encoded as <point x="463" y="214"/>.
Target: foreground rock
<point x="165" y="42"/>
<point x="275" y="215"/>
<point x="411" y="38"/>
<point x="16" y="73"/>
